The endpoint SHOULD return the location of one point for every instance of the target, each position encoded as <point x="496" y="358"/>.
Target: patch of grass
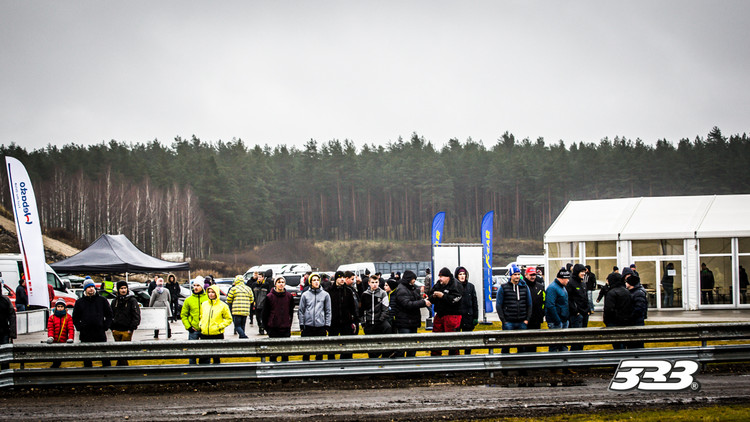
<point x="706" y="414"/>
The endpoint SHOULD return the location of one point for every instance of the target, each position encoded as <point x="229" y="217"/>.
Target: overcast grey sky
<point x="284" y="72"/>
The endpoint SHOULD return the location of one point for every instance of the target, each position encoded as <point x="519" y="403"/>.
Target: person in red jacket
<point x="60" y="328"/>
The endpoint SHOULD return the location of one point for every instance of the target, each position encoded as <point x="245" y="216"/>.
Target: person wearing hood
<point x="161" y="298"/>
<point x="446" y="294"/>
<point x="405" y="306"/>
<point x="240" y="300"/>
<point x="60" y="328"/>
<point x="174" y="295"/>
<point x="126" y="316"/>
<point x="514" y="303"/>
<point x="618" y="306"/>
<point x="278" y="313"/>
<point x="215" y="317"/>
<point x="640" y="306"/>
<point x="92" y="317"/>
<point x="343" y="310"/>
<point x="578" y="300"/>
<point x="261" y="290"/>
<point x="191" y="312"/>
<point x="314" y="311"/>
<point x="469" y="303"/>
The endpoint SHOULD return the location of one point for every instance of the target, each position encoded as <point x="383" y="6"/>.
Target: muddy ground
<point x="447" y="397"/>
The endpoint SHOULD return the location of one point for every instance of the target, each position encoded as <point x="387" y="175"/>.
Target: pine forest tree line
<point x="203" y="197"/>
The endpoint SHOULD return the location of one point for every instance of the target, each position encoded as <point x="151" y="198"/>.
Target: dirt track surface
<point x="440" y="397"/>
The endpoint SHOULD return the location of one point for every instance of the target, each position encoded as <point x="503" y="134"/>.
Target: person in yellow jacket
<point x="240" y="300"/>
<point x="215" y="317"/>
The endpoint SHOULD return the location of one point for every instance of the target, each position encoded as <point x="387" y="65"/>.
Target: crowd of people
<point x="341" y="305"/>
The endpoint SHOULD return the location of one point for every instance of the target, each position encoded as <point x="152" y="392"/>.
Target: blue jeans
<point x="405" y="331"/>
<point x="194" y="336"/>
<point x="512" y="326"/>
<point x="557" y="326"/>
<point x="578" y="321"/>
<point x="239" y="324"/>
<point x="20" y="307"/>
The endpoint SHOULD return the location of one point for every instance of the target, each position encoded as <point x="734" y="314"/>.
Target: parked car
<point x="10" y="294"/>
<point x="292" y="286"/>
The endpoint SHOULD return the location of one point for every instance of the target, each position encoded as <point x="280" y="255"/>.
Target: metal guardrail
<point x="485" y="340"/>
<point x="31" y="321"/>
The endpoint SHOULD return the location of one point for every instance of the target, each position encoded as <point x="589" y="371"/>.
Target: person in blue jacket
<point x="556" y="305"/>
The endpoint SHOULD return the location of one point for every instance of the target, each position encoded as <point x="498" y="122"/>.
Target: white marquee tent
<point x="653" y="232"/>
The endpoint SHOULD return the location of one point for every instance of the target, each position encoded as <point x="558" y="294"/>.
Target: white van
<point x="11" y="268"/>
<point x="278" y="269"/>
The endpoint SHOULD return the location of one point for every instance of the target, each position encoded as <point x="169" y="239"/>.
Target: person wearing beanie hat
<point x="60" y="328"/>
<point x="446" y="294"/>
<point x="514" y="303"/>
<point x="391" y="285"/>
<point x="191" y="313"/>
<point x="640" y="306"/>
<point x="343" y="309"/>
<point x="92" y="317"/>
<point x="578" y="301"/>
<point x="556" y="305"/>
<point x="536" y="287"/>
<point x="215" y="317"/>
<point x="126" y="316"/>
<point x="406" y="302"/>
<point x="161" y="298"/>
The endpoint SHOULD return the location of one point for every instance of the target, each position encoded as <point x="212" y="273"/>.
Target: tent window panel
<point x="562" y="249"/>
<point x="744" y="244"/>
<point x="555" y="265"/>
<point x="716" y="246"/>
<point x="601" y="268"/>
<point x="721" y="292"/>
<point x="595" y="249"/>
<point x="658" y="247"/>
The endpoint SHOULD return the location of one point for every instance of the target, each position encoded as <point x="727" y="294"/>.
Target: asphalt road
<point x="439" y="397"/>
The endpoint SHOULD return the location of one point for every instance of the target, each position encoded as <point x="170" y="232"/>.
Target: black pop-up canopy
<point x="113" y="254"/>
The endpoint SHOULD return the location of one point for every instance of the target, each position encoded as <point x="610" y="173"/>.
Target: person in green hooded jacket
<point x="191" y="312"/>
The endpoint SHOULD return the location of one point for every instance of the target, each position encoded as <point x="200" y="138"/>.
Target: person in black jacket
<point x="618" y="306"/>
<point x="405" y="306"/>
<point x="174" y="296"/>
<point x="446" y="294"/>
<point x="469" y="303"/>
<point x="589" y="280"/>
<point x="92" y="317"/>
<point x="126" y="316"/>
<point x="640" y="306"/>
<point x="22" y="298"/>
<point x="514" y="303"/>
<point x="7" y="320"/>
<point x="578" y="301"/>
<point x="343" y="311"/>
<point x="536" y="287"/>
